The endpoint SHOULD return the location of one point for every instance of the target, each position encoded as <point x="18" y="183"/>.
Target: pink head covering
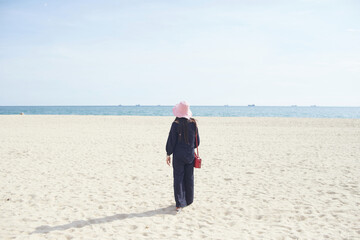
<point x="182" y="110"/>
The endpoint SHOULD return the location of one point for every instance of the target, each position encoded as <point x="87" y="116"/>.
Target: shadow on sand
<point x="170" y="210"/>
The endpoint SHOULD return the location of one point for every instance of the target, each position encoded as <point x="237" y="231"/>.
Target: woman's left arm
<point x="171" y="141"/>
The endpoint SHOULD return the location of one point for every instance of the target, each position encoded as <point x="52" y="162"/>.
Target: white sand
<point x="105" y="177"/>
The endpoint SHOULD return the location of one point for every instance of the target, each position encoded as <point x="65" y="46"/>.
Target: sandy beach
<point x="105" y="177"/>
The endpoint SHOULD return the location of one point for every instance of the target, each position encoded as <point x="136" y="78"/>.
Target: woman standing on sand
<point x="181" y="143"/>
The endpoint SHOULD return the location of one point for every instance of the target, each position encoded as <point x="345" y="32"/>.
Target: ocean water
<point x="211" y="111"/>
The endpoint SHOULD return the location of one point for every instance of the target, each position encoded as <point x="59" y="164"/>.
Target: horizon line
<point x="160" y="105"/>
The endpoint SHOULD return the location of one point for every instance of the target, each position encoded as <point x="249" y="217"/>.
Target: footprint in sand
<point x="300" y="218"/>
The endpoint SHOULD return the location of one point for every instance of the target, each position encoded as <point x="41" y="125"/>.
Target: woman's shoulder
<point x="193" y="121"/>
<point x="175" y="124"/>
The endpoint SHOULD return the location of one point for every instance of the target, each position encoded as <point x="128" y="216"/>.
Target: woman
<point x="181" y="143"/>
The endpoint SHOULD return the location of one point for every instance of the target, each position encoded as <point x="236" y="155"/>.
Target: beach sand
<point x="105" y="177"/>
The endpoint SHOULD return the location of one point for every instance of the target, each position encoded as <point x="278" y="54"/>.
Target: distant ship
<point x="137" y="105"/>
<point x="226" y="105"/>
<point x="251" y="105"/>
<point x="294" y="105"/>
<point x="313" y="106"/>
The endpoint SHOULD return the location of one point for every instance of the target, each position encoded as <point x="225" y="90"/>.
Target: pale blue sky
<point x="235" y="52"/>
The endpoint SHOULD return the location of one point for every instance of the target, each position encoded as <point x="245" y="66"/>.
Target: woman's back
<point x="182" y="141"/>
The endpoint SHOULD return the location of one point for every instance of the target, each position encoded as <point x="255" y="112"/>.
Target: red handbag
<point x="197" y="160"/>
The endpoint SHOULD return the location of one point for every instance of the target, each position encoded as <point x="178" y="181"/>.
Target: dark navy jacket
<point x="178" y="147"/>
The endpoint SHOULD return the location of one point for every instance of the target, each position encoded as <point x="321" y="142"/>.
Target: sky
<point x="150" y="52"/>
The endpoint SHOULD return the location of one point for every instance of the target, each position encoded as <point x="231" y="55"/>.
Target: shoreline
<point x="200" y="111"/>
<point x="147" y="116"/>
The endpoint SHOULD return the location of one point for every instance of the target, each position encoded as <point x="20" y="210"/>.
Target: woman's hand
<point x="168" y="160"/>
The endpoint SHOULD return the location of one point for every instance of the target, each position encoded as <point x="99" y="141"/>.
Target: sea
<point x="208" y="111"/>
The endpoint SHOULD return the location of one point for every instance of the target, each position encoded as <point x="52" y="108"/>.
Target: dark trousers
<point x="183" y="182"/>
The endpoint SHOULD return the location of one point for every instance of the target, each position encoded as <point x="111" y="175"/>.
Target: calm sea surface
<point x="212" y="111"/>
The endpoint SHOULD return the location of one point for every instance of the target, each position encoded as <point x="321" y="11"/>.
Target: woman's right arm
<point x="197" y="135"/>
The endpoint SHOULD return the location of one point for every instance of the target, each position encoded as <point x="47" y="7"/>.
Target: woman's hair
<point x="183" y="128"/>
